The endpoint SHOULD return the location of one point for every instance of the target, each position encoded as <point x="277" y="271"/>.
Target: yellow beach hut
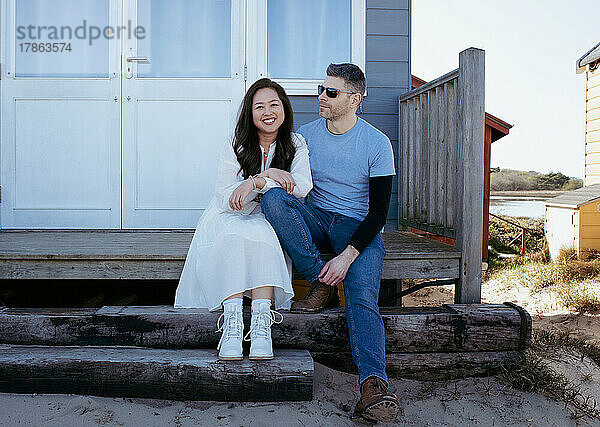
<point x="590" y="65"/>
<point x="573" y="220"/>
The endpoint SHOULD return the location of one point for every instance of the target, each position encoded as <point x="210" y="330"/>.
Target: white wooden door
<point x="60" y="117"/>
<point x="182" y="86"/>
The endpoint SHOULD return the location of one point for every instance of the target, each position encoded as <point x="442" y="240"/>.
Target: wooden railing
<point x="440" y="179"/>
<point x="522" y="234"/>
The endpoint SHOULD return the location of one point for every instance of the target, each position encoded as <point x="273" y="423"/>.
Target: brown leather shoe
<point x="320" y="296"/>
<point x="376" y="402"/>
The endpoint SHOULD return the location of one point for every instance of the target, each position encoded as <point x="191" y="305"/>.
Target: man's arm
<point x="380" y="192"/>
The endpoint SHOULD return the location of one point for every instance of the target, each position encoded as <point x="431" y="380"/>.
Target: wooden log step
<point x="450" y="328"/>
<point x="154" y="373"/>
<point x="428" y="366"/>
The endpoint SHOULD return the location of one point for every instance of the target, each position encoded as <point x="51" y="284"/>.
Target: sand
<point x="475" y="401"/>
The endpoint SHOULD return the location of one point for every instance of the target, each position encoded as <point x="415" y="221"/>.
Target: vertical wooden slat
<point x="441" y="157"/>
<point x="410" y="200"/>
<point x="404" y="159"/>
<point x="469" y="197"/>
<point x="417" y="169"/>
<point x="432" y="153"/>
<point x="422" y="182"/>
<point x="451" y="147"/>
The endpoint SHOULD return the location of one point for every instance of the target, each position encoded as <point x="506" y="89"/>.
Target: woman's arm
<point x="300" y="170"/>
<point x="228" y="180"/>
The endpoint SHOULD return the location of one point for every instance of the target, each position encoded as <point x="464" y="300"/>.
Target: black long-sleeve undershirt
<point x="380" y="192"/>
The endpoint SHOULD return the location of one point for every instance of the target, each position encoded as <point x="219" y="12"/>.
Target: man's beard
<point x="333" y="114"/>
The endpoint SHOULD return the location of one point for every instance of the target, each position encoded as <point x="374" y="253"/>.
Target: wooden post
<point x="469" y="200"/>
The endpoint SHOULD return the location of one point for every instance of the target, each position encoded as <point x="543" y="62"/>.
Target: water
<point x="532" y="207"/>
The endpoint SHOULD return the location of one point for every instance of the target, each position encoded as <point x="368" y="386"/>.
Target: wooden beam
<point x="429" y="366"/>
<point x="452" y="328"/>
<point x="469" y="200"/>
<point x="154" y="373"/>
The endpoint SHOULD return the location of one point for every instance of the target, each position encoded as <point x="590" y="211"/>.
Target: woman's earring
<point x="360" y="108"/>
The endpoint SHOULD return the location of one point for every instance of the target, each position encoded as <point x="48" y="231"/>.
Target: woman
<point x="235" y="251"/>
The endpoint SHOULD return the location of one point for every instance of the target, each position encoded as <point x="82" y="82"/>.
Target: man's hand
<point x="236" y="201"/>
<point x="281" y="177"/>
<point x="336" y="269"/>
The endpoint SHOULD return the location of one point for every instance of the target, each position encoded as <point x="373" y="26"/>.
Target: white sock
<point x="256" y="303"/>
<point x="232" y="302"/>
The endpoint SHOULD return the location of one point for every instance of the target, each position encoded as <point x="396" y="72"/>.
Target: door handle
<point x="142" y="59"/>
<point x="129" y="65"/>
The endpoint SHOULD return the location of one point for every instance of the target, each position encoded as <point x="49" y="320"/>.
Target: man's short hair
<point x="352" y="74"/>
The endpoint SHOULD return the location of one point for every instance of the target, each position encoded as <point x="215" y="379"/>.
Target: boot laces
<point x="231" y="326"/>
<point x="261" y="324"/>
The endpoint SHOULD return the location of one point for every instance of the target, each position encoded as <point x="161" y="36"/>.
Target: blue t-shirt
<point x="341" y="165"/>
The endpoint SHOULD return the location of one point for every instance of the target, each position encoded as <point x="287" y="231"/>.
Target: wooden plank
<point x="592" y="147"/>
<point x="488" y="327"/>
<point x="90" y="269"/>
<point x="440" y="217"/>
<point x="433" y="268"/>
<point x="592" y="125"/>
<point x="404" y="153"/>
<point x="469" y="235"/>
<point x="593" y="114"/>
<point x="451" y="150"/>
<point x="388" y="22"/>
<point x="387" y="4"/>
<point x="592" y="103"/>
<point x="154" y="373"/>
<point x="95" y="244"/>
<point x="432" y="205"/>
<point x="592" y="158"/>
<point x="592" y="80"/>
<point x="387" y="48"/>
<point x="593" y="136"/>
<point x="593" y="92"/>
<point x="412" y="169"/>
<point x="423" y="164"/>
<point x="382" y="100"/>
<point x="385" y="74"/>
<point x="429" y="366"/>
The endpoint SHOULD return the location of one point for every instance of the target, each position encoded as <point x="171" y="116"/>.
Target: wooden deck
<point x="160" y="254"/>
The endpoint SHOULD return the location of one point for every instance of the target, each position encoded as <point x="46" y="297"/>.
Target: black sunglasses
<point x="330" y="91"/>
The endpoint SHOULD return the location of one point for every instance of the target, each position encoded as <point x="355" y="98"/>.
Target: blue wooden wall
<point x="388" y="76"/>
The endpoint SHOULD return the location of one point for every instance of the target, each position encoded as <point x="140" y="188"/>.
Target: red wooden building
<point x="495" y="129"/>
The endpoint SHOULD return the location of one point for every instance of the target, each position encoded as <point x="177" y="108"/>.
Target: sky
<point x="530" y="48"/>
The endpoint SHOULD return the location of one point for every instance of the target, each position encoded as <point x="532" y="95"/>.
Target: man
<point x="352" y="166"/>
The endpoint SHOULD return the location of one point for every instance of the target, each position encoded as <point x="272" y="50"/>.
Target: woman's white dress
<point x="236" y="251"/>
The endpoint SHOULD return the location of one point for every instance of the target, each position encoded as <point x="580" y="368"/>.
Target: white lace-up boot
<point x="230" y="344"/>
<point x="261" y="346"/>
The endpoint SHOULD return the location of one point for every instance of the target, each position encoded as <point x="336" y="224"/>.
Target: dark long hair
<point x="246" y="143"/>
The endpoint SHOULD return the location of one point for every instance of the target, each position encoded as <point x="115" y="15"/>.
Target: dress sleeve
<point x="228" y="180"/>
<point x="300" y="170"/>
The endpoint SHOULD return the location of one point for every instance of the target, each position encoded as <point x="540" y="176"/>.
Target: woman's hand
<point x="236" y="201"/>
<point x="283" y="178"/>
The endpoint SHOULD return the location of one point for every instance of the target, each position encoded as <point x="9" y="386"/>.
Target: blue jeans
<point x="305" y="230"/>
